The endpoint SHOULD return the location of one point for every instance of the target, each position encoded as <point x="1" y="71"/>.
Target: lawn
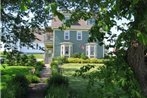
<point x="9" y="71"/>
<point x="78" y="84"/>
<point x="38" y="56"/>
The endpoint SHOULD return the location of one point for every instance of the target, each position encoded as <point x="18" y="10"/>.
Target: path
<point x="37" y="90"/>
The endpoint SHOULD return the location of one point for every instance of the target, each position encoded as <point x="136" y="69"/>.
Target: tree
<point x="106" y="13"/>
<point x="20" y="19"/>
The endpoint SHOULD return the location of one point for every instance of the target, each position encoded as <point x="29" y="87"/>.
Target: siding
<point x="77" y="44"/>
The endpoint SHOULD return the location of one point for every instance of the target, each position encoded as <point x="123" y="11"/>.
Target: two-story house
<point x="73" y="40"/>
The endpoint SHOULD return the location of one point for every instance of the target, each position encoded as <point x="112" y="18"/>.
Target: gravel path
<point x="37" y="90"/>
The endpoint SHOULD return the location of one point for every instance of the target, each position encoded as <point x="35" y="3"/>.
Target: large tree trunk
<point x="137" y="62"/>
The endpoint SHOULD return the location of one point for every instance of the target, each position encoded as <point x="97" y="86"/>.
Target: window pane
<point x="66" y="35"/>
<point x="92" y="50"/>
<point x="66" y="50"/>
<point x="79" y="35"/>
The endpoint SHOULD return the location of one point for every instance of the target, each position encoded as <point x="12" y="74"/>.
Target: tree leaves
<point x="142" y="37"/>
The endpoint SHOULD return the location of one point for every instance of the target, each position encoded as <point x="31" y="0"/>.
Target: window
<point x="66" y="18"/>
<point x="91" y="50"/>
<point x="66" y="35"/>
<point x="66" y="49"/>
<point x="90" y="21"/>
<point x="79" y="35"/>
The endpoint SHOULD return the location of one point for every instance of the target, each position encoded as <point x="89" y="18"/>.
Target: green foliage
<point x="59" y="60"/>
<point x="75" y="55"/>
<point x="115" y="80"/>
<point x="79" y="55"/>
<point x="31" y="60"/>
<point x="83" y="56"/>
<point x="58" y="80"/>
<point x="33" y="79"/>
<point x="39" y="65"/>
<point x="57" y="92"/>
<point x="141" y="37"/>
<point x="80" y="60"/>
<point x="15" y="58"/>
<point x="17" y="88"/>
<point x="54" y="67"/>
<point x="57" y="87"/>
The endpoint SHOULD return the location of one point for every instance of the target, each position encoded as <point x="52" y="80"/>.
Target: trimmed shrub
<point x="79" y="60"/>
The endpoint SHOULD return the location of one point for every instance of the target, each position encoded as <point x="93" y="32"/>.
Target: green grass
<point x="77" y="84"/>
<point x="9" y="71"/>
<point x="38" y="56"/>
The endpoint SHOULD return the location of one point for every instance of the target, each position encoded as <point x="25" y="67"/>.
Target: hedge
<point x="79" y="60"/>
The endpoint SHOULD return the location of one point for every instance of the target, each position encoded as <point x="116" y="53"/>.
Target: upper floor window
<point x="79" y="35"/>
<point x="90" y="21"/>
<point x="66" y="35"/>
<point x="66" y="18"/>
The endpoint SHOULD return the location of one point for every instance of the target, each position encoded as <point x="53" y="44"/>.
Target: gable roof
<point x="81" y="25"/>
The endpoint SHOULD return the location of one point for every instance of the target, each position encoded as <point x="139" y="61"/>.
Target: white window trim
<point x="95" y="50"/>
<point x="79" y="32"/>
<point x="68" y="35"/>
<point x="62" y="52"/>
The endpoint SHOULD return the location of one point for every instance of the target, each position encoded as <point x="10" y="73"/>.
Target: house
<point x="38" y="46"/>
<point x="73" y="40"/>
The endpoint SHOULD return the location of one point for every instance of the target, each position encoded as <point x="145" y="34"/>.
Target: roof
<point x="40" y="38"/>
<point x="81" y="25"/>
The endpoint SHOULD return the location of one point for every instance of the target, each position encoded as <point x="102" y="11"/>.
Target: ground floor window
<point x="91" y="50"/>
<point x="66" y="49"/>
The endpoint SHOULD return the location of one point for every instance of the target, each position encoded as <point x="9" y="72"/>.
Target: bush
<point x="39" y="65"/>
<point x="16" y="88"/>
<point x="76" y="55"/>
<point x="90" y="60"/>
<point x="33" y="79"/>
<point x="31" y="60"/>
<point x="9" y="92"/>
<point x="59" y="60"/>
<point x="83" y="56"/>
<point x="57" y="92"/>
<point x="15" y="58"/>
<point x="58" y="80"/>
<point x="74" y="60"/>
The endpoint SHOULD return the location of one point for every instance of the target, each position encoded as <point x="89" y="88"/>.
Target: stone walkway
<point x="37" y="90"/>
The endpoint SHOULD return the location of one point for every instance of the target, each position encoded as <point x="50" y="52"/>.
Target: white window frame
<point x="79" y="33"/>
<point x="88" y="50"/>
<point x="68" y="34"/>
<point x="62" y="50"/>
